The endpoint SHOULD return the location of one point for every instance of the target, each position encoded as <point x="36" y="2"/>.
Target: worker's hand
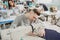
<point x="41" y="33"/>
<point x="31" y="34"/>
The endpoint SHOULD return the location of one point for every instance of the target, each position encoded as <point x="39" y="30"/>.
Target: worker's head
<point x="4" y="6"/>
<point x="33" y="14"/>
<point x="11" y="4"/>
<point x="53" y="9"/>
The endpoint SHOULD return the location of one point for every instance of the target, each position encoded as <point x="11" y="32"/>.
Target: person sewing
<point x="53" y="11"/>
<point x="27" y="19"/>
<point x="30" y="19"/>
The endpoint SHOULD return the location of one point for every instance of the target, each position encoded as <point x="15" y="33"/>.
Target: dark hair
<point x="44" y="6"/>
<point x="10" y="5"/>
<point x="51" y="9"/>
<point x="36" y="11"/>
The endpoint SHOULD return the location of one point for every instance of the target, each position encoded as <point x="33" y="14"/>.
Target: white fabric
<point x="21" y="33"/>
<point x="52" y="27"/>
<point x="58" y="14"/>
<point x="6" y="34"/>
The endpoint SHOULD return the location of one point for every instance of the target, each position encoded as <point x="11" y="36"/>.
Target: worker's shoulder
<point x="20" y="16"/>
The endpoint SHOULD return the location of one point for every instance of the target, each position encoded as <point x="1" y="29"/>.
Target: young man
<point x="27" y="19"/>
